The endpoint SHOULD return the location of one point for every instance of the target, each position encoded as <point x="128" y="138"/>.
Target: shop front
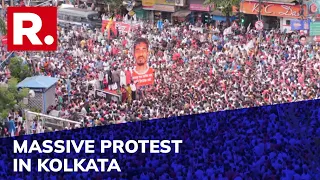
<point x="200" y="13"/>
<point x="163" y="12"/>
<point x="274" y="15"/>
<point x="181" y="16"/>
<point x="217" y="18"/>
<point x="159" y="9"/>
<point x="182" y="13"/>
<point x="148" y="6"/>
<point x="140" y="13"/>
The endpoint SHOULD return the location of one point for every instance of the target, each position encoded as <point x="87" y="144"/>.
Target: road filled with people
<point x="194" y="72"/>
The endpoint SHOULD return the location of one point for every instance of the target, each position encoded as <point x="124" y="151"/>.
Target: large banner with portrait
<point x="142" y="74"/>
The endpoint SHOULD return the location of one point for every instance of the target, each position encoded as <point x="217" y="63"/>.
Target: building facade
<point x="162" y="9"/>
<point x="275" y="14"/>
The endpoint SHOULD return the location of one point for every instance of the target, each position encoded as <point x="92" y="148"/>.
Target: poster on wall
<point x="313" y="7"/>
<point x="297" y="25"/>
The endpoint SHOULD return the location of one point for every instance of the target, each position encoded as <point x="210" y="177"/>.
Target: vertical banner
<point x="142" y="73"/>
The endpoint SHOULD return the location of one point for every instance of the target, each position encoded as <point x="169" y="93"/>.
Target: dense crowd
<point x="194" y="73"/>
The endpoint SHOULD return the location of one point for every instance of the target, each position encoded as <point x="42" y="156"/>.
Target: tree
<point x="10" y="97"/>
<point x="114" y="5"/>
<point x="225" y="6"/>
<point x="3" y="27"/>
<point x="19" y="69"/>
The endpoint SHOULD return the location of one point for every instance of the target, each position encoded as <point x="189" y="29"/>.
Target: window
<point x="60" y="16"/>
<point x="94" y="17"/>
<point x="75" y="18"/>
<point x="288" y="22"/>
<point x="65" y="17"/>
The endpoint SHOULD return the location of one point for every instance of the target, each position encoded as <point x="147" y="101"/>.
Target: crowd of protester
<point x="195" y="72"/>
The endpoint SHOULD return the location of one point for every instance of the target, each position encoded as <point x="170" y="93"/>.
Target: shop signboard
<point x="164" y="8"/>
<point x="314" y="29"/>
<point x="297" y="25"/>
<point x="199" y="7"/>
<point x="148" y="4"/>
<point x="166" y="2"/>
<point x="273" y="9"/>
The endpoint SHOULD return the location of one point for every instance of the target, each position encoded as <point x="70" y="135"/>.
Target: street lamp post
<point x="301" y="9"/>
<point x="260" y="31"/>
<point x="259" y="15"/>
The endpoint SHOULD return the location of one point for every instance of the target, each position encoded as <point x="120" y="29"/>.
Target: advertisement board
<point x="313" y="7"/>
<point x="148" y="3"/>
<point x="314" y="28"/>
<point x="297" y="25"/>
<point x="273" y="9"/>
<point x="199" y="7"/>
<point x="165" y="8"/>
<point x="166" y="2"/>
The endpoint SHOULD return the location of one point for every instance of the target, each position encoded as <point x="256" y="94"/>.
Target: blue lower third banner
<point x="271" y="142"/>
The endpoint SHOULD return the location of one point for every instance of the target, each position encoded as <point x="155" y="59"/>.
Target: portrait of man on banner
<point x="142" y="73"/>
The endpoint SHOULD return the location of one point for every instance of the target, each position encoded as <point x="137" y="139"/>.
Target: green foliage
<point x="10" y="97"/>
<point x="224" y="5"/>
<point x="18" y="69"/>
<point x="37" y="110"/>
<point x="3" y="27"/>
<point x="114" y="4"/>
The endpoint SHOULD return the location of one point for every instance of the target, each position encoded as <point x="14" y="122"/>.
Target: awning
<point x="181" y="13"/>
<point x="87" y="1"/>
<point x="222" y="18"/>
<point x="216" y="13"/>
